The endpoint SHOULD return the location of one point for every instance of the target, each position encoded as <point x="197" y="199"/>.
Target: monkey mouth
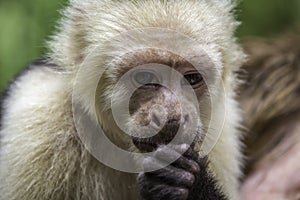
<point x="150" y="144"/>
<point x="145" y="146"/>
<point x="164" y="137"/>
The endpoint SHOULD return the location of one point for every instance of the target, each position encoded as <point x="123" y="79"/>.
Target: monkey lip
<point x="146" y="146"/>
<point x="143" y="145"/>
<point x="149" y="145"/>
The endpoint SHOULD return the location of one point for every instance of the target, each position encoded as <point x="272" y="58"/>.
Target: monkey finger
<point x="165" y="154"/>
<point x="150" y="163"/>
<point x="188" y="165"/>
<point x="191" y="154"/>
<point x="183" y="149"/>
<point x="151" y="189"/>
<point x="173" y="176"/>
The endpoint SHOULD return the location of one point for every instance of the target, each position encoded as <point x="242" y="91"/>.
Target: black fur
<point x="185" y="179"/>
<point x="2" y="97"/>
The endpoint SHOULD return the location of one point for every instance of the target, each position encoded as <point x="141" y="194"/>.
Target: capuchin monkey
<point x="269" y="97"/>
<point x="43" y="155"/>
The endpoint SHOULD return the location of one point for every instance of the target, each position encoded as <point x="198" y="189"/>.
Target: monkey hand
<point x="184" y="179"/>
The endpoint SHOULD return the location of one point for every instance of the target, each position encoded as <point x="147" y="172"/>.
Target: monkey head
<point x="155" y="91"/>
<point x="130" y="78"/>
<point x="151" y="86"/>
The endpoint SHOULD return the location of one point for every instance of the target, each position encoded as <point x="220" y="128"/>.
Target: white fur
<point x="41" y="154"/>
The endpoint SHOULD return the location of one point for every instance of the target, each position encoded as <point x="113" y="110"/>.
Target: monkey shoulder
<point x="36" y="91"/>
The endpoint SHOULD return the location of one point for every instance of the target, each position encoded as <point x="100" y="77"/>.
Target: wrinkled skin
<point x="184" y="179"/>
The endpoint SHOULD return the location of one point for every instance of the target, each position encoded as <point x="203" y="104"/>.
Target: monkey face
<point x="159" y="116"/>
<point x="157" y="91"/>
<point x="165" y="95"/>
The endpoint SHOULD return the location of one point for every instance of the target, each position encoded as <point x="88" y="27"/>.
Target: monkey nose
<point x="159" y="122"/>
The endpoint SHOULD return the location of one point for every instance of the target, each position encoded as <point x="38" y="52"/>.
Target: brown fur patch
<point x="270" y="95"/>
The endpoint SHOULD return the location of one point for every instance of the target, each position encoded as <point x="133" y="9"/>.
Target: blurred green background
<point x="26" y="25"/>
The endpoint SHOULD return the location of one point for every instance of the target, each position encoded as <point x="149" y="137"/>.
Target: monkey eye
<point x="145" y="78"/>
<point x="195" y="79"/>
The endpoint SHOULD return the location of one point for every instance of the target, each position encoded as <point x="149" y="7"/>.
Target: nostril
<point x="186" y="119"/>
<point x="156" y="120"/>
<point x="172" y="121"/>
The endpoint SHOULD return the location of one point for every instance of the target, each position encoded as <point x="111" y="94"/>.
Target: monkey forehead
<point x="93" y="23"/>
<point x="147" y="56"/>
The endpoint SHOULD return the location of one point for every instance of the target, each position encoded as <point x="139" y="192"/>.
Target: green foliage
<point x="26" y="25"/>
<point x="268" y="17"/>
<point x="24" y="28"/>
